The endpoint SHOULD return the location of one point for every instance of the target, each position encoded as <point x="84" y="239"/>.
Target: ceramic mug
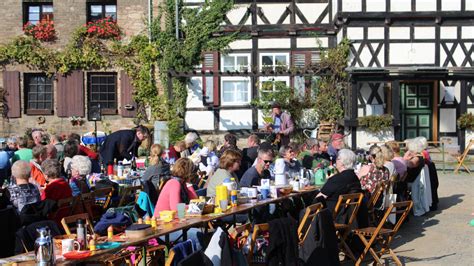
<point x="252" y="192"/>
<point x="69" y="245"/>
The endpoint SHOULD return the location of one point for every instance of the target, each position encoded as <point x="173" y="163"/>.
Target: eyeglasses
<point x="267" y="161"/>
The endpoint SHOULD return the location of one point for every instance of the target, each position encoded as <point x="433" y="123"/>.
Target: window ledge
<point x="39" y="112"/>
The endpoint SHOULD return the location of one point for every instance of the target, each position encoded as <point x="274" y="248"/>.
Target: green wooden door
<point x="417" y="110"/>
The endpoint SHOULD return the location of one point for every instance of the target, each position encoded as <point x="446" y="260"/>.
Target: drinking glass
<point x="181" y="207"/>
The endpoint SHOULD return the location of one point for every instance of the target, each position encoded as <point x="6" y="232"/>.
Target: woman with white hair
<point x="414" y="158"/>
<point x="344" y="182"/>
<point x="80" y="170"/>
<point x="190" y="140"/>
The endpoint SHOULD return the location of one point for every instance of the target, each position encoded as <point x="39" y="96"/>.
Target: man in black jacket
<point x="122" y="144"/>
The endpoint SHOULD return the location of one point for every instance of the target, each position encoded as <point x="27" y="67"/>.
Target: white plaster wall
<point x="375" y="5"/>
<point x="457" y="91"/>
<point x="363" y="137"/>
<point x="235" y="119"/>
<point x="400" y="5"/>
<point x="237" y="13"/>
<point x="355" y="33"/>
<point x="447" y="120"/>
<point x="424" y="33"/>
<point x="240" y="44"/>
<point x="351" y="5"/>
<point x="311" y="11"/>
<point x="273" y="12"/>
<point x="306" y="43"/>
<point x="199" y="120"/>
<point x="470" y="5"/>
<point x="469" y="136"/>
<point x="425" y="5"/>
<point x="412" y="53"/>
<point x="467" y="32"/>
<point x="448" y="33"/>
<point x="399" y="33"/>
<point x="194" y="99"/>
<point x="274" y="43"/>
<point x="376" y="33"/>
<point x="450" y="5"/>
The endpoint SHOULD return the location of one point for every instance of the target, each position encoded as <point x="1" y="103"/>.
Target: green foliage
<point x="376" y="123"/>
<point x="331" y="88"/>
<point x="466" y="121"/>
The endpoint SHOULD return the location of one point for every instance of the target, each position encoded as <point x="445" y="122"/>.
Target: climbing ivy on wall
<point x="142" y="59"/>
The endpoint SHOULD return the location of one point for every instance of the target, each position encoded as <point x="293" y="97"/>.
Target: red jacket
<point x="83" y="150"/>
<point x="56" y="190"/>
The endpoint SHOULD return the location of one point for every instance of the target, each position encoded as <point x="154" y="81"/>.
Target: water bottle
<point x="44" y="251"/>
<point x="120" y="169"/>
<point x="234" y="185"/>
<point x="81" y="234"/>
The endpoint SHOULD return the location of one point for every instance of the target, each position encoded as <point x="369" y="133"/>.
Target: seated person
<point x="289" y="153"/>
<point x="209" y="160"/>
<point x="250" y="154"/>
<point x="174" y="152"/>
<point x="344" y="182"/>
<point x="157" y="166"/>
<point x="80" y="170"/>
<point x="259" y="171"/>
<point x="40" y="153"/>
<point x="176" y="189"/>
<point x="229" y="163"/>
<point x="57" y="187"/>
<point x="23" y="192"/>
<point x="375" y="172"/>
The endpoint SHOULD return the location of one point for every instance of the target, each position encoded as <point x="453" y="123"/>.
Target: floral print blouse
<point x="374" y="177"/>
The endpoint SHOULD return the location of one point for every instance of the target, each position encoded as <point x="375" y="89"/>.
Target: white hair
<point x="414" y="145"/>
<point x="423" y="141"/>
<point x="21" y="169"/>
<point x="191" y="137"/>
<point x="82" y="164"/>
<point x="347" y="158"/>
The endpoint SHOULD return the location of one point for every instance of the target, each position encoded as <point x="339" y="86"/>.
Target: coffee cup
<point x="68" y="245"/>
<point x="252" y="192"/>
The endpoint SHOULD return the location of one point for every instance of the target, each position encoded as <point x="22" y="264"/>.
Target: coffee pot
<point x="44" y="252"/>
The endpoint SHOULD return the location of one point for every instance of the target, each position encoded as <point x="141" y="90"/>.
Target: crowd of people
<point x="41" y="167"/>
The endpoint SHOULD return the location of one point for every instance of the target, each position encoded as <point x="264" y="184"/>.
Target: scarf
<point x="183" y="191"/>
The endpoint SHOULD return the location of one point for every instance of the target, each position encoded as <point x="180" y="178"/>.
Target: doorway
<point x="416" y="101"/>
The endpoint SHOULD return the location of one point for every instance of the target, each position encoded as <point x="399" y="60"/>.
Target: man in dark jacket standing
<point x="122" y="144"/>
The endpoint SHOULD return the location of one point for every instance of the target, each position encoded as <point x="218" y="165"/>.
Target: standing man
<point x="337" y="143"/>
<point x="122" y="144"/>
<point x="282" y="126"/>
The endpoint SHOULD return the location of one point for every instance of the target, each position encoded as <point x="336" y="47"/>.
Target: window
<point x="274" y="61"/>
<point x="99" y="10"/>
<point x="302" y="59"/>
<point x="271" y="84"/>
<point x="38" y="94"/>
<point x="235" y="62"/>
<point x="35" y="12"/>
<point x="235" y="91"/>
<point x="103" y="90"/>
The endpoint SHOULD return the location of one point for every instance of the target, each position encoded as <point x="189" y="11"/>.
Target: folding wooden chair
<point x="371" y="236"/>
<point x="348" y="203"/>
<point x="103" y="197"/>
<point x="129" y="194"/>
<point x="463" y="157"/>
<point x="67" y="221"/>
<point x="67" y="207"/>
<point x="257" y="229"/>
<point x="305" y="223"/>
<point x="202" y="179"/>
<point x="374" y="198"/>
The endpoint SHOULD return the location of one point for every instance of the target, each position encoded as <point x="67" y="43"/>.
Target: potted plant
<point x="466" y="121"/>
<point x="76" y="120"/>
<point x="42" y="31"/>
<point x="105" y="28"/>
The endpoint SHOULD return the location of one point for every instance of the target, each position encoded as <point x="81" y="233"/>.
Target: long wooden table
<point x="164" y="229"/>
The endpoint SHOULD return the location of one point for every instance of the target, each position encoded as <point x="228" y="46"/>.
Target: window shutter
<point x="211" y="63"/>
<point x="70" y="93"/>
<point x="302" y="59"/>
<point x="11" y="84"/>
<point x="299" y="60"/>
<point x="128" y="106"/>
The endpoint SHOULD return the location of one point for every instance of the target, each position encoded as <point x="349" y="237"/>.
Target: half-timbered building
<point x="409" y="58"/>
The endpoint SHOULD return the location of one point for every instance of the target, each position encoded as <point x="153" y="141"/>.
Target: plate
<point x="76" y="255"/>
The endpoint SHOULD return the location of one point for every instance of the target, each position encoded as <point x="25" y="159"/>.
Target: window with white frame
<point x="235" y="62"/>
<point x="274" y="61"/>
<point x="235" y="91"/>
<point x="271" y="84"/>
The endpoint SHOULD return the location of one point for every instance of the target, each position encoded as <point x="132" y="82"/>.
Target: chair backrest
<point x="348" y="202"/>
<point x="67" y="207"/>
<point x="398" y="208"/>
<point x="127" y="194"/>
<point x="305" y="223"/>
<point x="106" y="194"/>
<point x="66" y="222"/>
<point x="257" y="229"/>
<point x="379" y="190"/>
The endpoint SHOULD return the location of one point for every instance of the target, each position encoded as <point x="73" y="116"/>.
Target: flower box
<point x="43" y="30"/>
<point x="106" y="28"/>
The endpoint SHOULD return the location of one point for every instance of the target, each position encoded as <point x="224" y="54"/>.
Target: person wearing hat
<point x="337" y="143"/>
<point x="283" y="126"/>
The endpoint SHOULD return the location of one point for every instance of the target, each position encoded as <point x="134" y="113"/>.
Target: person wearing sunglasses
<point x="258" y="171"/>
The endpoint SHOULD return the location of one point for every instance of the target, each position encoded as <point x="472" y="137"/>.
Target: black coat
<point x="283" y="242"/>
<point x="122" y="144"/>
